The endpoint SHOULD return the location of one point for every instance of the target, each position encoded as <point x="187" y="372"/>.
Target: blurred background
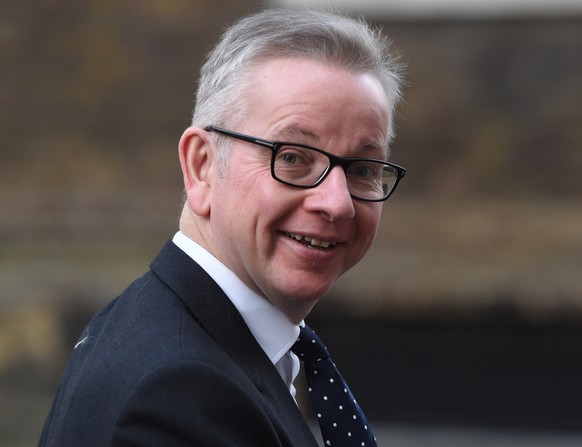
<point x="469" y="305"/>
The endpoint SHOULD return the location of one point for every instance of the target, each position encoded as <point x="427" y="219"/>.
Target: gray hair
<point x="276" y="33"/>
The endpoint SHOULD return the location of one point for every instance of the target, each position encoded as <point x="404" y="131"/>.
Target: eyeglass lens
<point x="304" y="167"/>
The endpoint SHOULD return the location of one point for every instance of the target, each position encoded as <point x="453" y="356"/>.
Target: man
<point x="197" y="351"/>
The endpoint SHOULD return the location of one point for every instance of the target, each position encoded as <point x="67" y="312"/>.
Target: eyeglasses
<point x="306" y="167"/>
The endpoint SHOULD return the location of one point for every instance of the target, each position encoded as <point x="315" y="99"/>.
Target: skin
<point x="245" y="218"/>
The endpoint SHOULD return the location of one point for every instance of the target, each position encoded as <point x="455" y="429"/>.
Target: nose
<point x="332" y="197"/>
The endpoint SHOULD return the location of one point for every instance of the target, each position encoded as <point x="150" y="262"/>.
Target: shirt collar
<point x="274" y="332"/>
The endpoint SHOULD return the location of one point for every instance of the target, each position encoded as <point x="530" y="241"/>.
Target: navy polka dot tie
<point x="341" y="420"/>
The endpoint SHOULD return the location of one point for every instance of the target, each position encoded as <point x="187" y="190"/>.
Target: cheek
<point x="246" y="203"/>
<point x="368" y="222"/>
<point x="369" y="213"/>
<point x="376" y="221"/>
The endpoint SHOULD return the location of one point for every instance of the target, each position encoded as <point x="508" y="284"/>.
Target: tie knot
<point x="309" y="347"/>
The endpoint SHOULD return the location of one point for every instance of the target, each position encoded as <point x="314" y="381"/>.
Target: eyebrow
<point x="288" y="133"/>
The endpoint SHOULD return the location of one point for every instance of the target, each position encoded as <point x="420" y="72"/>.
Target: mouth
<point x="311" y="242"/>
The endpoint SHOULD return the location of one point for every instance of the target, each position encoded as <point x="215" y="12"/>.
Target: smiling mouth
<point x="311" y="242"/>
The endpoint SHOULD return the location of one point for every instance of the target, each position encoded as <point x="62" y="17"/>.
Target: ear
<point x="196" y="161"/>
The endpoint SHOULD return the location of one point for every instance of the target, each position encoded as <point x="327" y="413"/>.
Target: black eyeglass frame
<point x="334" y="160"/>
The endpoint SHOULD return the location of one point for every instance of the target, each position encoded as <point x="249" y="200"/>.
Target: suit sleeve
<point x="192" y="404"/>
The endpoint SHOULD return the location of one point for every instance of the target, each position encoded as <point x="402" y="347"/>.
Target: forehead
<point x="304" y="97"/>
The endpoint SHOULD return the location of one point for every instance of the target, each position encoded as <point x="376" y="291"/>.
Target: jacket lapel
<point x="222" y="321"/>
<point x="210" y="307"/>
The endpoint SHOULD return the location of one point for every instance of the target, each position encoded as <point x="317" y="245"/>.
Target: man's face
<point x="259" y="226"/>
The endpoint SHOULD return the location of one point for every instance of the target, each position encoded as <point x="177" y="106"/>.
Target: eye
<point x="364" y="171"/>
<point x="289" y="157"/>
<point x="294" y="156"/>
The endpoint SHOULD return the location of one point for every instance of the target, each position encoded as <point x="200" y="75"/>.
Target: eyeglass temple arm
<point x="240" y="136"/>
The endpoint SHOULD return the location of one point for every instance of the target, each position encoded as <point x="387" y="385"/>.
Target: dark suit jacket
<point x="171" y="362"/>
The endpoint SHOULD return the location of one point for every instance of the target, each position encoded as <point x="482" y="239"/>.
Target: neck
<point x="191" y="226"/>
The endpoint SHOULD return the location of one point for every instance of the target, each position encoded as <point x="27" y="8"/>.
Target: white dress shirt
<point x="274" y="332"/>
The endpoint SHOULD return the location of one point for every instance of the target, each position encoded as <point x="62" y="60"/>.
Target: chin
<point x="307" y="294"/>
<point x="304" y="287"/>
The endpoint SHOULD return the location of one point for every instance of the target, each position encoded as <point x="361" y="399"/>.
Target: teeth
<point x="313" y="242"/>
